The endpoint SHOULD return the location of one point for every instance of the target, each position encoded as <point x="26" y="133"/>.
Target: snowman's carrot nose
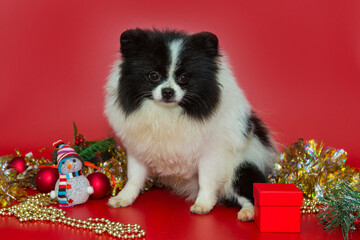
<point x="69" y="166"/>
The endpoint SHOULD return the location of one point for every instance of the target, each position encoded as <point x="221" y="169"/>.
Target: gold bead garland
<point x="310" y="206"/>
<point x="35" y="208"/>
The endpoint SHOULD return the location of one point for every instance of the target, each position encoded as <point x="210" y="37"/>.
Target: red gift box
<point x="277" y="207"/>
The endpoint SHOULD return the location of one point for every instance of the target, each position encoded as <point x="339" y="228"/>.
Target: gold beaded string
<point x="310" y="206"/>
<point x="35" y="208"/>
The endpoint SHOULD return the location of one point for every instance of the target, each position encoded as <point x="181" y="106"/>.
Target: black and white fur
<point x="175" y="104"/>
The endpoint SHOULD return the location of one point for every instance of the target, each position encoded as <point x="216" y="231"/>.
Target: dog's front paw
<point x="246" y="214"/>
<point x="120" y="201"/>
<point x="199" y="208"/>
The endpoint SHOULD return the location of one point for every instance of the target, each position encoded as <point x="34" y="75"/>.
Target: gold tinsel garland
<point x="12" y="184"/>
<point x="312" y="168"/>
<point x="10" y="189"/>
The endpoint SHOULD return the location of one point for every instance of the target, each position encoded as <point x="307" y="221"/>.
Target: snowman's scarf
<point x="63" y="200"/>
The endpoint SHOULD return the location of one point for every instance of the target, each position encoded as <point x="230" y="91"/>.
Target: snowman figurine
<point x="73" y="187"/>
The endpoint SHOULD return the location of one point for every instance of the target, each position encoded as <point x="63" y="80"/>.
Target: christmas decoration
<point x="72" y="188"/>
<point x="46" y="179"/>
<point x="103" y="156"/>
<point x="36" y="209"/>
<point x="27" y="179"/>
<point x="311" y="167"/>
<point x="277" y="207"/>
<point x="94" y="148"/>
<point x="310" y="206"/>
<point x="18" y="163"/>
<point x="9" y="188"/>
<point x="307" y="164"/>
<point x="92" y="151"/>
<point x="114" y="168"/>
<point x="100" y="184"/>
<point x="12" y="182"/>
<point x="342" y="207"/>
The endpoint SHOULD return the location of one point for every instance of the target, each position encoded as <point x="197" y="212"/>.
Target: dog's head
<point x="171" y="68"/>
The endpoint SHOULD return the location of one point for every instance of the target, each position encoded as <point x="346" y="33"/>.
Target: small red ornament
<point x="101" y="185"/>
<point x="46" y="178"/>
<point x="357" y="221"/>
<point x="18" y="163"/>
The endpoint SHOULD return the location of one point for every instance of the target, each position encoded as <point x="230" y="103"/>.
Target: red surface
<point x="163" y="216"/>
<point x="297" y="61"/>
<point x="279" y="194"/>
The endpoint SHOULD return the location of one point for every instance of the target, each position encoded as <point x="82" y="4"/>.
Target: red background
<point x="297" y="61"/>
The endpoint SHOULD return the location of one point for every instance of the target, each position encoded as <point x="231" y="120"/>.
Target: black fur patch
<point x="199" y="60"/>
<point x="230" y="202"/>
<point x="144" y="51"/>
<point x="245" y="175"/>
<point x="255" y="125"/>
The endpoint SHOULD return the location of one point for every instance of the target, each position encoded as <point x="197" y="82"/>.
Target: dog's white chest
<point x="164" y="139"/>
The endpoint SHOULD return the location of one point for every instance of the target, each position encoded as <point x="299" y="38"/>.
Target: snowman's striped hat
<point x="64" y="152"/>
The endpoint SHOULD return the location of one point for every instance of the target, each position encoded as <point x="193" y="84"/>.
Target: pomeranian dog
<point x="175" y="104"/>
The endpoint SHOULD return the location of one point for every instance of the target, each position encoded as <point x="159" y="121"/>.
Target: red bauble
<point x="18" y="163"/>
<point x="46" y="179"/>
<point x="357" y="221"/>
<point x="101" y="185"/>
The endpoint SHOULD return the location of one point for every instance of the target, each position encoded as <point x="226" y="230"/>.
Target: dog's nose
<point x="167" y="92"/>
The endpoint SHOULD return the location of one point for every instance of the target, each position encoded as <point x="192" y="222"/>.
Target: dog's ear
<point x="207" y="41"/>
<point x="130" y="39"/>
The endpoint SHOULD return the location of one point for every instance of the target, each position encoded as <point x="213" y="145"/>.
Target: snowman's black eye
<point x="74" y="160"/>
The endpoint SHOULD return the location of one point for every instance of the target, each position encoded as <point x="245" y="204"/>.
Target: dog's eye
<point x="154" y="76"/>
<point x="184" y="78"/>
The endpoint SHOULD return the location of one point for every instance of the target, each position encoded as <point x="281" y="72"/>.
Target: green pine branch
<point x="342" y="203"/>
<point x="97" y="147"/>
<point x="75" y="130"/>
